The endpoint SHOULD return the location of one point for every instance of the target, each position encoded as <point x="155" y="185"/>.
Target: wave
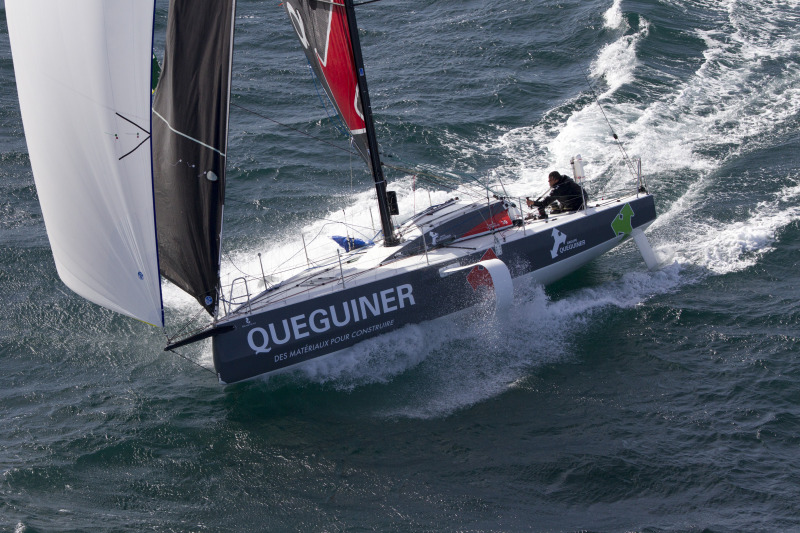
<point x="722" y="248"/>
<point x="732" y="102"/>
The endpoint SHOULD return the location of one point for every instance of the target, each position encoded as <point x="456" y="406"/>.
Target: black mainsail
<point x="190" y="128"/>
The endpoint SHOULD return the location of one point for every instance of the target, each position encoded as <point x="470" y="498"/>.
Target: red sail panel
<point x="323" y="31"/>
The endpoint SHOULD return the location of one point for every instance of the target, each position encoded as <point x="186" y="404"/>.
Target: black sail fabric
<point x="190" y="130"/>
<point x="322" y="29"/>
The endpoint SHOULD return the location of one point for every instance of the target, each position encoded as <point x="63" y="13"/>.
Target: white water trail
<point x="725" y="107"/>
<point x="722" y="248"/>
<point x="727" y="102"/>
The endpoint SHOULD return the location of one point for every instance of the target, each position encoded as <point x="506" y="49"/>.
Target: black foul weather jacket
<point x="568" y="194"/>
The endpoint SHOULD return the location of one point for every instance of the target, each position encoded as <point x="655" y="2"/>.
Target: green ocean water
<point x="618" y="399"/>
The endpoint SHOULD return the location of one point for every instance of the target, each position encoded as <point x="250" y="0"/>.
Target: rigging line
<point x="126" y="119"/>
<point x="477" y="182"/>
<point x="348" y="224"/>
<point x="276" y="270"/>
<point x="291" y="128"/>
<point x="242" y="272"/>
<point x="321" y="219"/>
<point x="418" y="173"/>
<point x="182" y="330"/>
<point x="613" y="133"/>
<point x="443" y="181"/>
<point x="227" y="256"/>
<point x="192" y="361"/>
<point x="422" y="174"/>
<point x="317" y="260"/>
<point x="334" y="3"/>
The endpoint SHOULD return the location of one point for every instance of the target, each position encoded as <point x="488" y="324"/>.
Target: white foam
<point x="727" y="102"/>
<point x="616" y="62"/>
<point x="726" y="106"/>
<point x="375" y="360"/>
<point x="552" y="143"/>
<point x="722" y="248"/>
<point x="613" y="19"/>
<point x="458" y="361"/>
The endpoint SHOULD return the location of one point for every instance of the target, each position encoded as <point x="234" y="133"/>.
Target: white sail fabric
<point x="83" y="72"/>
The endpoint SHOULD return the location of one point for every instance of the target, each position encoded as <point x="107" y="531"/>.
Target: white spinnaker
<point x="83" y="72"/>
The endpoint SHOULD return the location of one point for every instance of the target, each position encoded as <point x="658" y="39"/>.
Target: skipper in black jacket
<point x="568" y="194"/>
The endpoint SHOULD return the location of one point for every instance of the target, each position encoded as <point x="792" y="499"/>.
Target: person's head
<point x="553" y="178"/>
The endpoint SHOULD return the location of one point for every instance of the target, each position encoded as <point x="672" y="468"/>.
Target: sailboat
<point x="132" y="188"/>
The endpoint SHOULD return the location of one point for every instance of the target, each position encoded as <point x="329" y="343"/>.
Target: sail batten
<point x="83" y="73"/>
<point x="190" y="128"/>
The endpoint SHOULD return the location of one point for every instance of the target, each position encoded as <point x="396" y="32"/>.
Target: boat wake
<point x="685" y="136"/>
<point x="434" y="369"/>
<point x="452" y="367"/>
<point x="722" y="248"/>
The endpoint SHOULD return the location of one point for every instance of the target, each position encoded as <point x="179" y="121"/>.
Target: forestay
<point x="83" y="76"/>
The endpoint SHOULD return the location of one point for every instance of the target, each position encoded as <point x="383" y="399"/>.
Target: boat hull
<point x="287" y="334"/>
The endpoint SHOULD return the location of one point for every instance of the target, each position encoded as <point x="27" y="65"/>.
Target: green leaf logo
<point x="622" y="222"/>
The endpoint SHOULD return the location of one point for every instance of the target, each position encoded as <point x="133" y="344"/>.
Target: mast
<point x="389" y="237"/>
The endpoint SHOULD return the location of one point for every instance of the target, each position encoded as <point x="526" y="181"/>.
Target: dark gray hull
<point x="272" y="339"/>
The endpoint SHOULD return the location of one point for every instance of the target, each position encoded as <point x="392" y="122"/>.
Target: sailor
<point x="569" y="195"/>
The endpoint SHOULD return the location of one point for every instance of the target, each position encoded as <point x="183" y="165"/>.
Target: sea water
<point x="617" y="399"/>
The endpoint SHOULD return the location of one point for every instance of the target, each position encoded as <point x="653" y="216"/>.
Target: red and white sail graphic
<point x="324" y="33"/>
<point x="480" y="277"/>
